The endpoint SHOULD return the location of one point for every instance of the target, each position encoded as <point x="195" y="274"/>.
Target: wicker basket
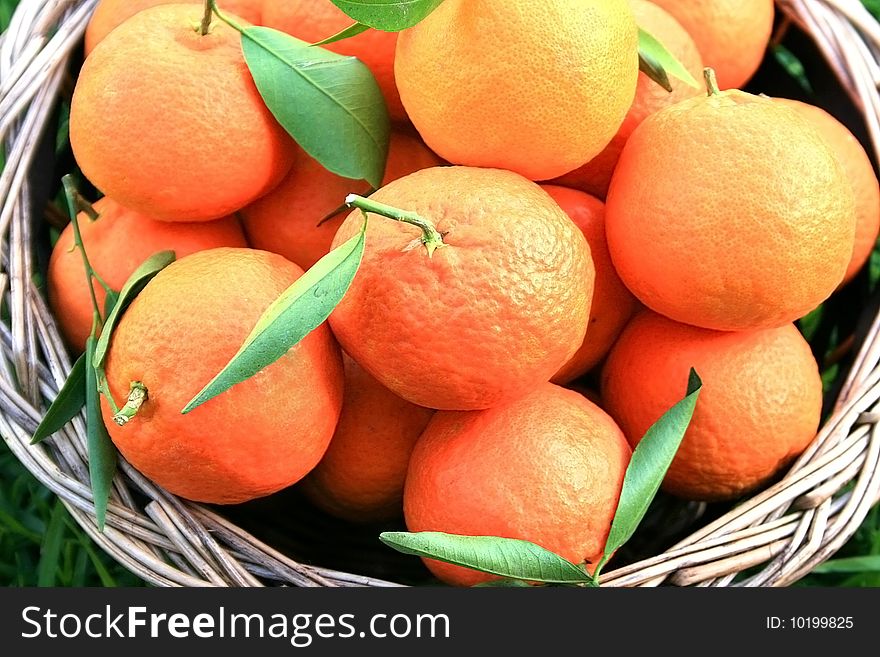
<point x="772" y="539"/>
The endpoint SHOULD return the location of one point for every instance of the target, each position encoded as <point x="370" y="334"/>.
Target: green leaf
<point x="658" y="63"/>
<point x="330" y="104"/>
<point x="506" y="557"/>
<point x="102" y="452"/>
<point x="388" y="15"/>
<point x="650" y="461"/>
<point x="303" y="307"/>
<point x="866" y="564"/>
<point x="347" y="33"/>
<point x="133" y="286"/>
<point x="793" y="66"/>
<point x="69" y="401"/>
<point x="50" y="549"/>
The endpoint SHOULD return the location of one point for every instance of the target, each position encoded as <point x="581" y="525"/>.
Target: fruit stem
<point x="71" y="193"/>
<point x="711" y="82"/>
<point x="137" y="395"/>
<point x="83" y="205"/>
<point x="231" y="23"/>
<point x="205" y="25"/>
<point x="431" y="237"/>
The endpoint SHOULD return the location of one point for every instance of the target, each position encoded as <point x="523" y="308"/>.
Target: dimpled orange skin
<point x="111" y="13"/>
<point x="859" y="170"/>
<point x="758" y="409"/>
<point x="117" y="243"/>
<point x="732" y="35"/>
<point x="361" y="476"/>
<point x="186" y="104"/>
<point x="289" y="219"/>
<point x="612" y="303"/>
<point x="547" y="468"/>
<point x="316" y="20"/>
<point x="258" y="437"/>
<point x="595" y="176"/>
<point x="495" y="312"/>
<point x="730" y="212"/>
<point x="543" y="96"/>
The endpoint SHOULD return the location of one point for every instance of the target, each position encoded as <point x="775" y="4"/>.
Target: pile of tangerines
<point x="589" y="226"/>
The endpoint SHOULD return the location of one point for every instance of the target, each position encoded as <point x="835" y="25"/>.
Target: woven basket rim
<point x="778" y="535"/>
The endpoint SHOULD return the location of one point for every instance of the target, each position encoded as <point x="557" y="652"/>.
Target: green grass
<point x="41" y="544"/>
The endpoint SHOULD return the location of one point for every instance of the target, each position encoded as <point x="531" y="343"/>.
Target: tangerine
<point x="860" y="171"/>
<point x="612" y="303"/>
<point x="732" y="35"/>
<point x="362" y="473"/>
<point x="186" y="104"/>
<point x="758" y="409"/>
<point x="260" y="436"/>
<point x="497" y="310"/>
<point x="543" y="96"/>
<point x="729" y="211"/>
<point x="546" y="468"/>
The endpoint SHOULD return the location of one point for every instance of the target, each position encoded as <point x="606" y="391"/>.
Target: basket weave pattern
<point x="778" y="535"/>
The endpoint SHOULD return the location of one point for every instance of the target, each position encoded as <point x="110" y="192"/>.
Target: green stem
<point x="711" y="81"/>
<point x="82" y="205"/>
<point x="205" y="25"/>
<point x="431" y="237"/>
<point x="231" y="23"/>
<point x="104" y="389"/>
<point x="137" y="395"/>
<point x="71" y="193"/>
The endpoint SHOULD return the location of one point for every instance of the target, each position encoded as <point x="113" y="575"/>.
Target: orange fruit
<point x="495" y="312"/>
<point x="116" y="244"/>
<point x="595" y="176"/>
<point x="110" y="13"/>
<point x="542" y="96"/>
<point x="860" y="171"/>
<point x="758" y="409"/>
<point x="205" y="143"/>
<point x="290" y="219"/>
<point x="732" y="35"/>
<point x="547" y="468"/>
<point x="612" y="303"/>
<point x="361" y="476"/>
<point x="730" y="212"/>
<point x="315" y="20"/>
<point x="258" y="437"/>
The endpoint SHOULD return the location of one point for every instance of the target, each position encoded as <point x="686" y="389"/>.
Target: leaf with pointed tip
<point x="388" y="15"/>
<point x="658" y="63"/>
<point x="68" y="402"/>
<point x="347" y="33"/>
<point x="133" y="286"/>
<point x="506" y="557"/>
<point x="102" y="452"/>
<point x="650" y="461"/>
<point x="303" y="307"/>
<point x="330" y="104"/>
